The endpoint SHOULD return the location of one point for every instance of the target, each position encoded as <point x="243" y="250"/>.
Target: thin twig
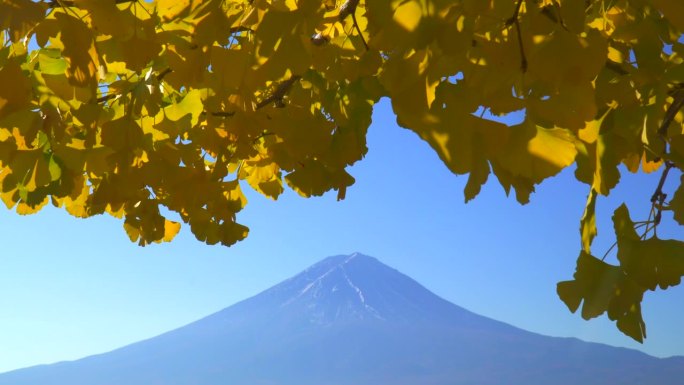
<point x="349" y="8"/>
<point x="513" y="20"/>
<point x="356" y="24"/>
<point x="107" y="97"/>
<point x="239" y="28"/>
<point x="609" y="250"/>
<point x="220" y="114"/>
<point x="616" y="67"/>
<point x="523" y="58"/>
<point x="554" y="15"/>
<point x="658" y="197"/>
<point x="261" y="136"/>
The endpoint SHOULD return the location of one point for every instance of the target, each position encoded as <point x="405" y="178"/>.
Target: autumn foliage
<point x="123" y="107"/>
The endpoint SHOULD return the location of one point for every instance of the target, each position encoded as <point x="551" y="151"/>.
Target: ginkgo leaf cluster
<point x="138" y="108"/>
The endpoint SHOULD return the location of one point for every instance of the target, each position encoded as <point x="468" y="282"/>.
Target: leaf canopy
<point x="135" y="108"/>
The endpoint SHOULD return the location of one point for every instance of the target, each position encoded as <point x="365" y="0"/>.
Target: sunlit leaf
<point x="171" y="229"/>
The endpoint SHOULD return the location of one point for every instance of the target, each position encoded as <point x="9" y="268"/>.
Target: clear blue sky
<point x="71" y="288"/>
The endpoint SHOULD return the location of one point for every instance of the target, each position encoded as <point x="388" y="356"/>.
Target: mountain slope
<point x="352" y="320"/>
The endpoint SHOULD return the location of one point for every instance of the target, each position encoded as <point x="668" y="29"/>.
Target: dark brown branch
<point x="220" y="114"/>
<point x="279" y="93"/>
<point x="546" y="11"/>
<point x="516" y="13"/>
<point x="523" y="58"/>
<point x="261" y="136"/>
<point x="111" y="96"/>
<point x="347" y="8"/>
<point x="162" y="74"/>
<point x="70" y="3"/>
<point x="107" y="97"/>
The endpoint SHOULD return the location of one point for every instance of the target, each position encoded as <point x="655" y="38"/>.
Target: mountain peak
<point x="336" y="261"/>
<point x="329" y="291"/>
<point x="354" y="287"/>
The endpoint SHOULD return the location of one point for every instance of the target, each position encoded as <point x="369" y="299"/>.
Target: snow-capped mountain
<point x="350" y="320"/>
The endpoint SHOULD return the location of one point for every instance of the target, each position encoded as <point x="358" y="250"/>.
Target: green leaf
<point x="51" y="62"/>
<point x="588" y="222"/>
<point x="532" y="154"/>
<point x="600" y="288"/>
<point x="652" y="262"/>
<point x="190" y="106"/>
<point x="673" y="12"/>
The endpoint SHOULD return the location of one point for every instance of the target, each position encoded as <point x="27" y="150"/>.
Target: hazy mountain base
<point x="352" y="320"/>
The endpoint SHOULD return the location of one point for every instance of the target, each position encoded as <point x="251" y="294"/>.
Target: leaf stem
<point x="609" y="250"/>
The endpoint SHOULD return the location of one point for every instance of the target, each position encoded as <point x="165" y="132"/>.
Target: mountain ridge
<point x="349" y="319"/>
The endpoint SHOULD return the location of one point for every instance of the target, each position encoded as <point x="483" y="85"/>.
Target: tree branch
<point x="523" y="58"/>
<point x="239" y="28"/>
<point x="220" y="114"/>
<point x="280" y="92"/>
<point x="616" y="67"/>
<point x="658" y="197"/>
<point x="107" y="97"/>
<point x="70" y="3"/>
<point x="347" y="8"/>
<point x="160" y="76"/>
<point x="277" y="97"/>
<point x="513" y="20"/>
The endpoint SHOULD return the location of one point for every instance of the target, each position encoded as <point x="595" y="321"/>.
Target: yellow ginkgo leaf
<point x="15" y="94"/>
<point x="79" y="50"/>
<point x="171" y="229"/>
<point x="20" y="16"/>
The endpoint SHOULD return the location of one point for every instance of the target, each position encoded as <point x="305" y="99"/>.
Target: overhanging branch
<point x="70" y="3"/>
